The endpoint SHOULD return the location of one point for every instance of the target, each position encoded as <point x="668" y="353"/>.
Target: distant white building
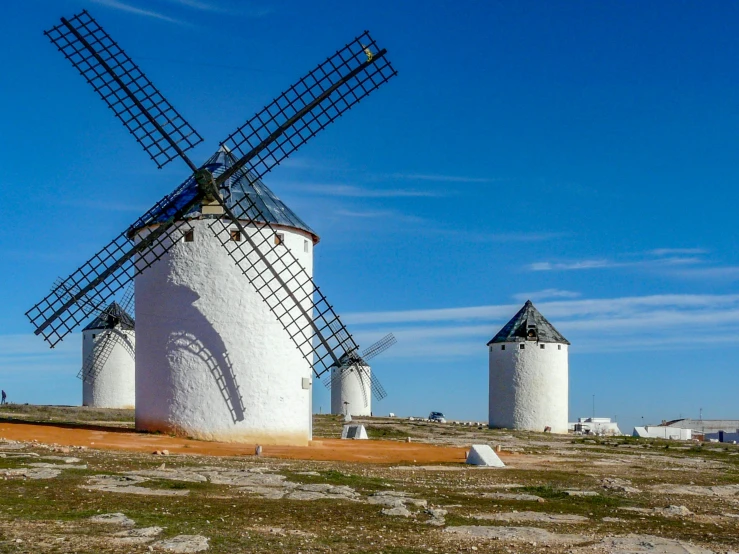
<point x="529" y="374"/>
<point x="662" y="432"/>
<point x="705" y="425"/>
<point x="595" y="426"/>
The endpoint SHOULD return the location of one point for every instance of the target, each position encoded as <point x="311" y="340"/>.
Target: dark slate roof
<point x="527" y="318"/>
<point x="234" y="190"/>
<point x="111" y="317"/>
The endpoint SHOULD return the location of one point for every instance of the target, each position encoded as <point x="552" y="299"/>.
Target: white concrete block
<point x="483" y="455"/>
<point x="354" y="432"/>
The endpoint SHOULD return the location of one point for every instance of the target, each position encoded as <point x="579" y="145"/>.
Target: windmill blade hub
<point x="209" y="190"/>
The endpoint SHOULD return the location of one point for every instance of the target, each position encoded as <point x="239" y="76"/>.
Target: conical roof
<point x="111" y="317"/>
<point x="528" y="320"/>
<point x="272" y="209"/>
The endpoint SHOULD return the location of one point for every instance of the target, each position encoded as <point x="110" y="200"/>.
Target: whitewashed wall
<point x="113" y="384"/>
<point x="212" y="361"/>
<point x="354" y="388"/>
<point x="529" y="387"/>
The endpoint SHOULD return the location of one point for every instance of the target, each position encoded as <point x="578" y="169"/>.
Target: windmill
<point x="188" y="304"/>
<point x="108" y="354"/>
<point x="352" y="381"/>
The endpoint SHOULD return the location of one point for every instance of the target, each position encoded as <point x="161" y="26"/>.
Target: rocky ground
<point x="557" y="494"/>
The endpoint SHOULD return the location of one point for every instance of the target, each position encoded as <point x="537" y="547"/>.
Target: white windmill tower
<point x="353" y="384"/>
<point x="108" y="371"/>
<point x="230" y="322"/>
<point x="211" y="355"/>
<point x="529" y="374"/>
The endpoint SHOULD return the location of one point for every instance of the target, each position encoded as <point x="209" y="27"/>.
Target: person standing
<point x="3" y="399"/>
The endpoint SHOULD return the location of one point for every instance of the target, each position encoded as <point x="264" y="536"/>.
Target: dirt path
<point x="370" y="451"/>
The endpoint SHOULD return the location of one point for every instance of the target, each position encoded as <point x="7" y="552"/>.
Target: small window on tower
<point x="189" y="235"/>
<point x="559" y="347"/>
<point x="93" y="336"/>
<point x="279" y="239"/>
<point x="235" y="235"/>
<point x="522" y="346"/>
<point x="502" y="346"/>
<point x="541" y="346"/>
<point x="305" y="246"/>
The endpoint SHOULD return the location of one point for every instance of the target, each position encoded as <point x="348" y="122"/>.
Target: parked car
<point x="438" y="417"/>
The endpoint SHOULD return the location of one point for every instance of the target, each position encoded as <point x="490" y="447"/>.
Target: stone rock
<point x="116" y="518"/>
<point x="718" y="490"/>
<point x="619" y="485"/>
<point x="46" y="465"/>
<point x="183" y="544"/>
<point x="515" y="534"/>
<point x="136" y="536"/>
<point x="170" y="474"/>
<point x="538" y="517"/>
<point x="512" y="496"/>
<point x="581" y="493"/>
<point x="483" y="455"/>
<point x="316" y="487"/>
<point x="32" y="473"/>
<point x="128" y="484"/>
<point x="638" y="544"/>
<point x="399" y="511"/>
<point x="681" y="511"/>
<point x="65" y="459"/>
<point x="270" y="493"/>
<point x="437" y="516"/>
<point x="305" y="495"/>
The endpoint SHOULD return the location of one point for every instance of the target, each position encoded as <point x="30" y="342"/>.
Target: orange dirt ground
<point x="369" y="451"/>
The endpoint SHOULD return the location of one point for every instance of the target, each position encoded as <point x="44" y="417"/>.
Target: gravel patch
<point x="116" y="518"/>
<point x="127" y="484"/>
<point x="637" y="544"/>
<point x="183" y="544"/>
<point x="532" y="535"/>
<point x="539" y="517"/>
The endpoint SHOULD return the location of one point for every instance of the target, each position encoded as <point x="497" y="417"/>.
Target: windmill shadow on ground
<point x="210" y="348"/>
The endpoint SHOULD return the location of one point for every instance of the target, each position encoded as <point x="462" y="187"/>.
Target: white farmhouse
<point x="529" y="374"/>
<point x="213" y="362"/>
<point x="109" y="372"/>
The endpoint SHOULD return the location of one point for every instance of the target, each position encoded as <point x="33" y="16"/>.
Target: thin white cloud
<point x="570" y="266"/>
<point x="609" y="307"/>
<point x="357" y="192"/>
<point x="677" y="251"/>
<point x="218" y="8"/>
<point x="726" y="273"/>
<point x="546" y="293"/>
<point x="198" y="5"/>
<point x="611" y="264"/>
<point x="24" y="353"/>
<point x="380" y="214"/>
<point x="592" y="325"/>
<point x="122" y="6"/>
<point x="470" y="235"/>
<point x="439" y="178"/>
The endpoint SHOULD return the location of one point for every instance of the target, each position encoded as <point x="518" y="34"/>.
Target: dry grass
<point x="51" y="515"/>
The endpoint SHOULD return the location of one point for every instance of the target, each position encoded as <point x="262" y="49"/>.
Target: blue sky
<point x="580" y="154"/>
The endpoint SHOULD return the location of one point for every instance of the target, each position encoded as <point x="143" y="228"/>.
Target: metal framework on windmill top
<point x="258" y="146"/>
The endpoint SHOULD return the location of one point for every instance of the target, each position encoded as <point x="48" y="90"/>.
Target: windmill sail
<point x="263" y="142"/>
<point x="359" y="365"/>
<point x="155" y="124"/>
